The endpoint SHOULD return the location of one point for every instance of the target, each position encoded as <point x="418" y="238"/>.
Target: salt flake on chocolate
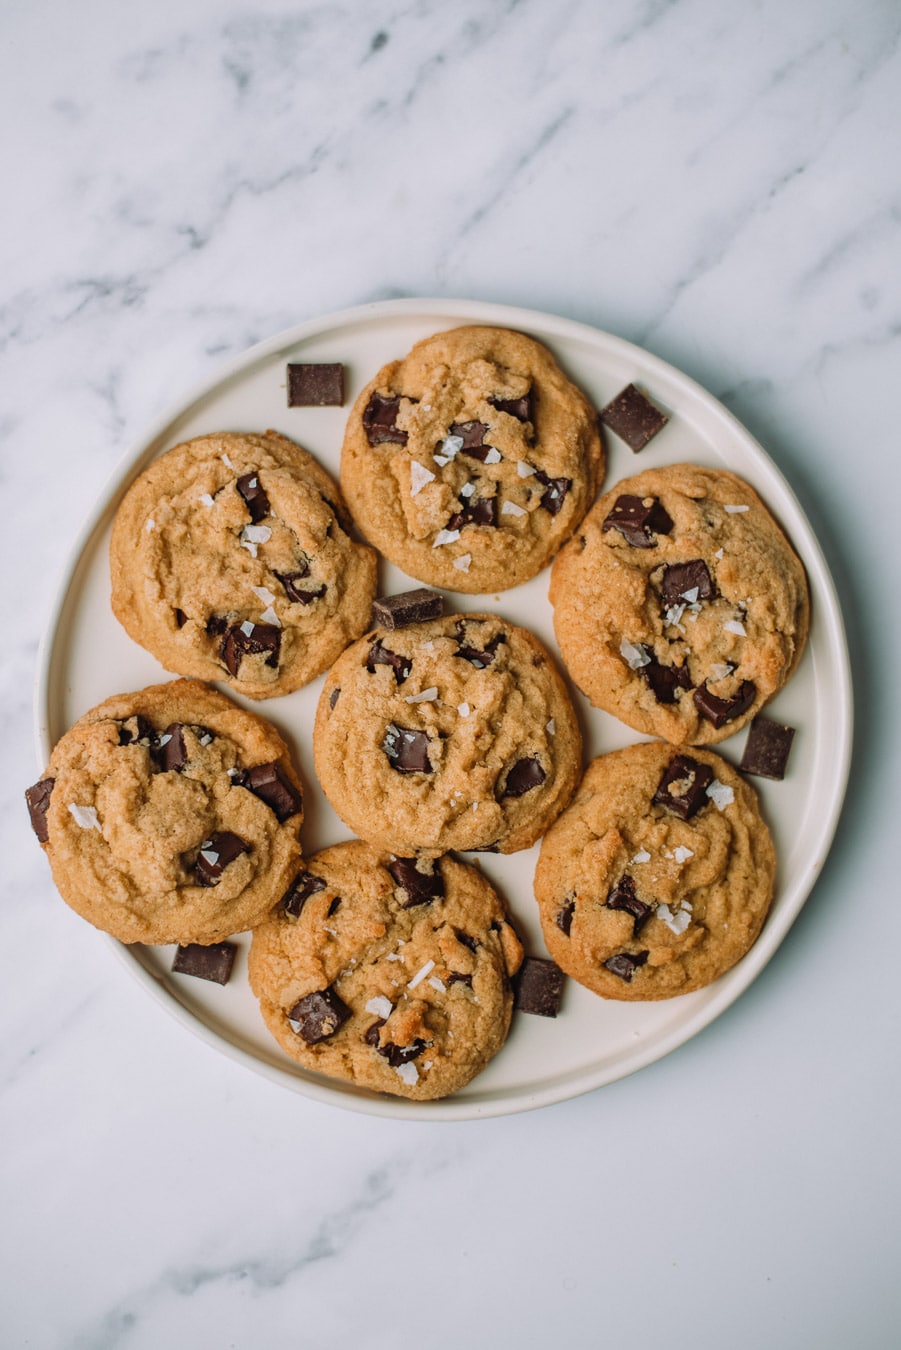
<point x="84" y="816"/>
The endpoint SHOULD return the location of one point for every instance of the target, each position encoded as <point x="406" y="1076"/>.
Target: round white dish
<point x="86" y="657"/>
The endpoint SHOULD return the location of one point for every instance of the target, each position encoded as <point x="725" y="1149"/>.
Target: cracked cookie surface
<point x="171" y="815"/>
<point x="231" y="561"/>
<point x="658" y="877"/>
<point x="680" y="607"/>
<point x="469" y="462"/>
<point x="392" y="975"/>
<point x="458" y="733"/>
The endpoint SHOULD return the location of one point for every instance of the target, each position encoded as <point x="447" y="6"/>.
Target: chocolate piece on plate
<point x="407" y="749"/>
<point x="639" y="520"/>
<point x="719" y="711"/>
<point x="379" y="421"/>
<point x="538" y="988"/>
<point x="767" y="749"/>
<point x="254" y="494"/>
<point x="215" y="855"/>
<point x="272" y="786"/>
<point x="525" y="775"/>
<point x="633" y="417"/>
<point x="315" y="385"/>
<point x="625" y="964"/>
<point x="214" y="962"/>
<point x="249" y="639"/>
<point x="685" y="583"/>
<point x="419" y="888"/>
<point x="398" y="611"/>
<point x="37" y="799"/>
<point x="683" y="787"/>
<point x="318" y="1016"/>
<point x="303" y="886"/>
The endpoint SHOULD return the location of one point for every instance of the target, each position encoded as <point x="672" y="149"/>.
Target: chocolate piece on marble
<point x="380" y="655"/>
<point x="633" y="417"/>
<point x="683" y="786"/>
<point x="379" y="420"/>
<point x="689" y="579"/>
<point x="719" y="711"/>
<point x="623" y="896"/>
<point x="37" y="799"/>
<point x="250" y="639"/>
<point x="315" y="384"/>
<point x="416" y="886"/>
<point x="317" y="1016"/>
<point x="254" y="494"/>
<point x="538" y="988"/>
<point x="214" y="962"/>
<point x="272" y="785"/>
<point x="639" y="520"/>
<point x="302" y="887"/>
<point x="625" y="964"/>
<point x="407" y="749"/>
<point x="399" y="611"/>
<point x="525" y="775"/>
<point x="767" y="749"/>
<point x="215" y="855"/>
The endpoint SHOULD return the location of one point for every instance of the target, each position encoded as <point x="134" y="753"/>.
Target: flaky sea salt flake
<point x="463" y="709"/>
<point x="421" y="973"/>
<point x="720" y="794"/>
<point x="734" y="626"/>
<point x="511" y="509"/>
<point x="427" y="696"/>
<point x="634" y="657"/>
<point x="682" y="854"/>
<point x="735" y="510"/>
<point x="262" y="593"/>
<point x="419" y="476"/>
<point x="380" y="1006"/>
<point x="205" y="498"/>
<point x="523" y="469"/>
<point x="438" y="984"/>
<point x="462" y="563"/>
<point x="641" y="856"/>
<point x="446" y="537"/>
<point x="408" y="1073"/>
<point x="84" y="816"/>
<point x="269" y="616"/>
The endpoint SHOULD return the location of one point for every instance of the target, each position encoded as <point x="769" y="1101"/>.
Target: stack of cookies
<point x="174" y="815"/>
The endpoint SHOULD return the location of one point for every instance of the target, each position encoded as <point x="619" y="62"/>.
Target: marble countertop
<point x="717" y="183"/>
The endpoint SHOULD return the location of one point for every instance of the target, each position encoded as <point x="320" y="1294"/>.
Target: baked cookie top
<point x="470" y="462"/>
<point x="680" y="606"/>
<point x="231" y="560"/>
<point x="658" y="877"/>
<point x="458" y="733"/>
<point x="170" y="815"/>
<point x="392" y="974"/>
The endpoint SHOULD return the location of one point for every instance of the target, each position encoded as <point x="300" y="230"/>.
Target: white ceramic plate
<point x="86" y="657"/>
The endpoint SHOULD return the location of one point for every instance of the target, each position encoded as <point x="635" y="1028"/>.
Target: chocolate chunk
<point x="681" y="579"/>
<point x="466" y="939"/>
<point x="664" y="680"/>
<point x="525" y="775"/>
<point x="402" y="1054"/>
<point x="181" y="618"/>
<point x="303" y="886"/>
<point x="379" y="421"/>
<point x="216" y="625"/>
<point x="251" y="489"/>
<point x="272" y="785"/>
<point x="554" y="493"/>
<point x="300" y="595"/>
<point x="625" y="964"/>
<point x="333" y="697"/>
<point x="538" y="987"/>
<point x="477" y="511"/>
<point x="215" y="855"/>
<point x="207" y="963"/>
<point x="480" y="657"/>
<point x="170" y="750"/>
<point x="407" y="749"/>
<point x="371" y="1034"/>
<point x="719" y="711"/>
<point x="380" y="655"/>
<point x="456" y="978"/>
<point x="683" y="787"/>
<point x="399" y="611"/>
<point x="767" y="748"/>
<point x="37" y="799"/>
<point x="317" y="1016"/>
<point x="315" y="385"/>
<point x="639" y="520"/>
<point x="250" y="639"/>
<point x="136" y="731"/>
<point x="472" y="435"/>
<point x="623" y="896"/>
<point x="633" y="417"/>
<point x="418" y="888"/>
<point x="564" y="919"/>
<point x="520" y="408"/>
<point x="334" y="907"/>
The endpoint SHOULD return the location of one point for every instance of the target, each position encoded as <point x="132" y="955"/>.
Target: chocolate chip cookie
<point x="658" y="877"/>
<point x="231" y="560"/>
<point x="453" y="734"/>
<point x="390" y="972"/>
<point x="680" y="606"/>
<point x="170" y="815"/>
<point x="469" y="462"/>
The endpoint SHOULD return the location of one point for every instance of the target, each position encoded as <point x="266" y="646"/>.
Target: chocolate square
<point x="633" y="417"/>
<point x="272" y="785"/>
<point x="318" y="1016"/>
<point x="538" y="988"/>
<point x="638" y="519"/>
<point x="767" y="749"/>
<point x="214" y="962"/>
<point x="315" y="385"/>
<point x="683" y="787"/>
<point x="719" y="711"/>
<point x="37" y="799"/>
<point x="399" y="611"/>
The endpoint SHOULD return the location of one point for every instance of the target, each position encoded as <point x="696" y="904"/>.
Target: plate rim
<point x="730" y="985"/>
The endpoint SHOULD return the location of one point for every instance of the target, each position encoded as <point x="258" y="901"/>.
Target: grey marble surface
<point x="719" y="183"/>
